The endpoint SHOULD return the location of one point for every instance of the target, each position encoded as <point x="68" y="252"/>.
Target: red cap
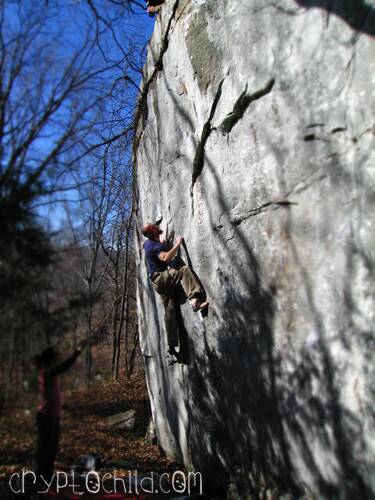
<point x="151" y="231"/>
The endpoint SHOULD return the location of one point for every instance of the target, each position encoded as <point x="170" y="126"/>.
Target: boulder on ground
<point x="124" y="420"/>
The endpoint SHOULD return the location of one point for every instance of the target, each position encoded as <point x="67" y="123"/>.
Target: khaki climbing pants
<point x="165" y="283"/>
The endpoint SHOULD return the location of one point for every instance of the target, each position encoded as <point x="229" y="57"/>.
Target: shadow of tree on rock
<point x="358" y="14"/>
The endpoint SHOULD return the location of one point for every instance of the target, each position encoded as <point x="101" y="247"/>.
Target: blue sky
<point x="63" y="33"/>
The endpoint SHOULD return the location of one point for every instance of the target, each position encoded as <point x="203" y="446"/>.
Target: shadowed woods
<point x="254" y="410"/>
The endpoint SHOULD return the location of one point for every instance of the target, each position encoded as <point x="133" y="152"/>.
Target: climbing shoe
<point x="178" y="357"/>
<point x="199" y="305"/>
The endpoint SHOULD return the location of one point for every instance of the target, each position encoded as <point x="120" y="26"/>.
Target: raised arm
<point x="171" y="254"/>
<point x="68" y="362"/>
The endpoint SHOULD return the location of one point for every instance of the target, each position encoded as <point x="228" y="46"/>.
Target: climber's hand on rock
<point x="179" y="240"/>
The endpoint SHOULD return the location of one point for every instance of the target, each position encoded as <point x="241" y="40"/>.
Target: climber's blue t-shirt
<point x="152" y="249"/>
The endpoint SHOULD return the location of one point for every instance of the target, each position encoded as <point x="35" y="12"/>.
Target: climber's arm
<point x="171" y="254"/>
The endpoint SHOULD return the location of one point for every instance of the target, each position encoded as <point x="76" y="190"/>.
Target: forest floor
<point x="84" y="430"/>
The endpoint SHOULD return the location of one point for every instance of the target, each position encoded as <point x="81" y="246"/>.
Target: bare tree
<point x="68" y="73"/>
<point x="123" y="286"/>
<point x="98" y="228"/>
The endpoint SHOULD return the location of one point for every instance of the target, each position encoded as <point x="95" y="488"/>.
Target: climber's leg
<point x="163" y="287"/>
<point x="189" y="283"/>
<point x="191" y="286"/>
<point x="170" y="320"/>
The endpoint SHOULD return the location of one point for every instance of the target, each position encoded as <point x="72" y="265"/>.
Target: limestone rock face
<point x="255" y="141"/>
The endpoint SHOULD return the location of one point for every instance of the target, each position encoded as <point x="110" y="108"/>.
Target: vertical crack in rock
<point x="241" y="105"/>
<point x="158" y="66"/>
<point x="198" y="161"/>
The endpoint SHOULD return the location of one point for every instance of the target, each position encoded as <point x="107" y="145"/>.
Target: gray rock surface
<point x="255" y="141"/>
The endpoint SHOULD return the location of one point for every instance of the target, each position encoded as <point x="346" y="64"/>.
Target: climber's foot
<point x="199" y="305"/>
<point x="172" y="350"/>
<point x="178" y="358"/>
<point x="204" y="311"/>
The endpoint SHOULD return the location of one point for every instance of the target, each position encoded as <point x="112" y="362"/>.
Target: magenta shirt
<point x="49" y="394"/>
<point x="49" y="386"/>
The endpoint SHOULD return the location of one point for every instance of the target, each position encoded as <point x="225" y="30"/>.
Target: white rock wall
<point x="255" y="141"/>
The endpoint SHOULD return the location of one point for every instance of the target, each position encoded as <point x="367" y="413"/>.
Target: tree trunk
<point x="124" y="295"/>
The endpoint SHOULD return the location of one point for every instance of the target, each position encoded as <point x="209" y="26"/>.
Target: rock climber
<point x="153" y="6"/>
<point x="166" y="279"/>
